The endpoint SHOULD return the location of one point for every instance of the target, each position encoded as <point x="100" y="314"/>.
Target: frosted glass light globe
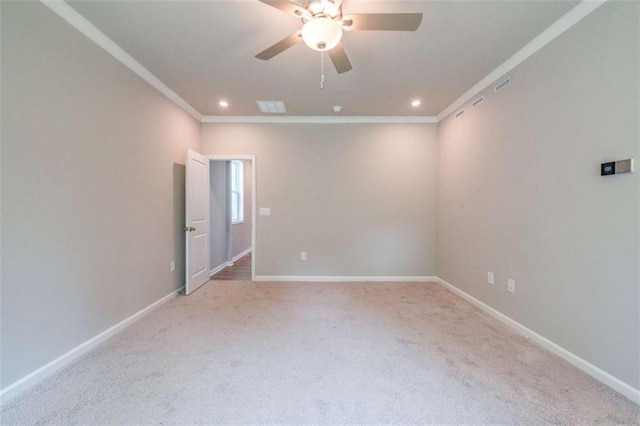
<point x="321" y="34"/>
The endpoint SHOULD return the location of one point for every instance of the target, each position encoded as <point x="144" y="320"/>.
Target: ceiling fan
<point x="323" y="24"/>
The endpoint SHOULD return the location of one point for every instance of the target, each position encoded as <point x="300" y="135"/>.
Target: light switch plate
<point x="617" y="167"/>
<point x="624" y="166"/>
<point x="265" y="211"/>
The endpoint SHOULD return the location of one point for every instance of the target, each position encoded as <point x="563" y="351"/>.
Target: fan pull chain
<point x="321" y="70"/>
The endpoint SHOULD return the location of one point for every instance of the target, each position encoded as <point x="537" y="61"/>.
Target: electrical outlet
<point x="511" y="285"/>
<point x="490" y="277"/>
<point x="303" y="255"/>
<point x="172" y="265"/>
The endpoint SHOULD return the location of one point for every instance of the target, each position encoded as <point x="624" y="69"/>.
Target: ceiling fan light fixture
<point x="315" y="7"/>
<point x="321" y="34"/>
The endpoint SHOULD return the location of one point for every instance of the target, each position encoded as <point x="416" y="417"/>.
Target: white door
<point x="197" y="221"/>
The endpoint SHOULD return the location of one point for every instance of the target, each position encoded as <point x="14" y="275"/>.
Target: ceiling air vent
<point x="504" y="83"/>
<point x="477" y="102"/>
<point x="459" y="113"/>
<point x="272" y="107"/>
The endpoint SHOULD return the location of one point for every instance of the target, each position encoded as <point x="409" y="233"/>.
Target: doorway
<point x="212" y="247"/>
<point x="231" y="184"/>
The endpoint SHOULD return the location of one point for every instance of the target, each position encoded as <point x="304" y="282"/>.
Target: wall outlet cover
<point x="172" y="265"/>
<point x="490" y="278"/>
<point x="511" y="285"/>
<point x="265" y="211"/>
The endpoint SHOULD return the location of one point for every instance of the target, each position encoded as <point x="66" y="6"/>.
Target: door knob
<point x="188" y="228"/>
<point x="192" y="228"/>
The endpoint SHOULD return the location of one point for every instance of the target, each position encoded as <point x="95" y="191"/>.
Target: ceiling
<point x="204" y="51"/>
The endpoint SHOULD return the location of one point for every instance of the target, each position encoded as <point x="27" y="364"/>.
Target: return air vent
<point x="504" y="83"/>
<point x="477" y="102"/>
<point x="459" y="113"/>
<point x="272" y="107"/>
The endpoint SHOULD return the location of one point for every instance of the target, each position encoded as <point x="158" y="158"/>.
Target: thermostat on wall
<point x="617" y="167"/>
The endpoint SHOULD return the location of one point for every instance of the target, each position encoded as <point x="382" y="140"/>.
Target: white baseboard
<point x="309" y="278"/>
<point x="614" y="383"/>
<point x="243" y="254"/>
<point x="62" y="361"/>
<point x="219" y="268"/>
<point x="230" y="263"/>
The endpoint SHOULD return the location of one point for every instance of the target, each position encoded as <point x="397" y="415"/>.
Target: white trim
<point x="238" y="165"/>
<point x="568" y="20"/>
<point x="254" y="198"/>
<point x="219" y="268"/>
<point x="616" y="384"/>
<point x="240" y="255"/>
<point x="62" y="361"/>
<point x="80" y="23"/>
<point x="324" y="278"/>
<point x="224" y="157"/>
<point x="254" y="207"/>
<point x="291" y="119"/>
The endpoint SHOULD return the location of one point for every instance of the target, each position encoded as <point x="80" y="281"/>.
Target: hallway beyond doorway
<point x="239" y="271"/>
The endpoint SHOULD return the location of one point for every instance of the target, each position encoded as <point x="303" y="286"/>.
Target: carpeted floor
<point x="319" y="353"/>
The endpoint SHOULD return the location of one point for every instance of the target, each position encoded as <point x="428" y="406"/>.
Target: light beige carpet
<point x="319" y="353"/>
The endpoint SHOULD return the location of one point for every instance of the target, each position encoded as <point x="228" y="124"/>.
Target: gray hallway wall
<point x="219" y="213"/>
<point x="241" y="232"/>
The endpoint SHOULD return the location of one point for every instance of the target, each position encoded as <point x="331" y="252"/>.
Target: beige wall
<point x="92" y="189"/>
<point x="241" y="232"/>
<point x="360" y="199"/>
<point x="520" y="193"/>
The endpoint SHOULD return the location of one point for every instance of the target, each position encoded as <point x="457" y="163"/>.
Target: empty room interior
<point x="320" y="212"/>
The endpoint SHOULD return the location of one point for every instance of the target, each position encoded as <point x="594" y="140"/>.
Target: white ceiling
<point x="204" y="51"/>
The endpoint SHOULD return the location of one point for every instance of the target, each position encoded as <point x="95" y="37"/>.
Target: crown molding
<point x="79" y="22"/>
<point x="304" y="119"/>
<point x="566" y="21"/>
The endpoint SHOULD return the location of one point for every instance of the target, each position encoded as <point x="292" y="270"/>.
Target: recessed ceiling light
<point x="337" y="109"/>
<point x="416" y="103"/>
<point x="223" y="104"/>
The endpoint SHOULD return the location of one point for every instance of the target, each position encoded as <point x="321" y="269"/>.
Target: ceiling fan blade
<point x="280" y="46"/>
<point x="339" y="58"/>
<point x="382" y="21"/>
<point x="287" y="6"/>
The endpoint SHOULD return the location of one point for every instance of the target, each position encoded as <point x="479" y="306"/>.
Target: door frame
<point x="254" y="198"/>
